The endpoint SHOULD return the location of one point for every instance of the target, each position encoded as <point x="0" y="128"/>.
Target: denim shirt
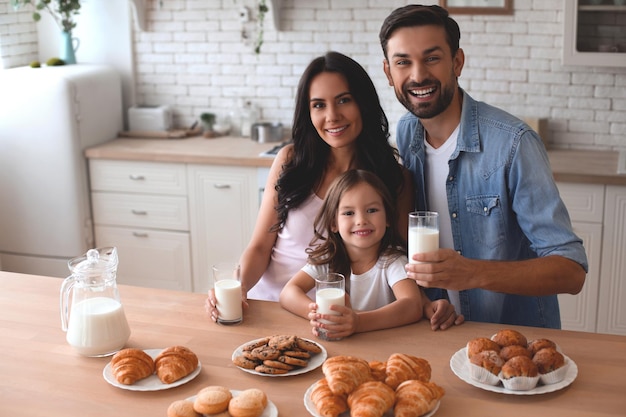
<point x="503" y="203"/>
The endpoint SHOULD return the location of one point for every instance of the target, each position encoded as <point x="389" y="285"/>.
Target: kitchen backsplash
<point x="197" y="55"/>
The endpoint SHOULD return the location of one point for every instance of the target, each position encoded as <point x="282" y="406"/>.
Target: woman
<point x="338" y="125"/>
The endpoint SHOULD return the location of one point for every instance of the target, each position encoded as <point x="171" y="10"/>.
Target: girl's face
<point x="334" y="112"/>
<point x="361" y="217"/>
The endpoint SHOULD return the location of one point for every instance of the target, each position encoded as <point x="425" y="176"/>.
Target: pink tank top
<point x="288" y="254"/>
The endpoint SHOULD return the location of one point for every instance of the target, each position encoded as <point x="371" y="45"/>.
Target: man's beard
<point x="430" y="109"/>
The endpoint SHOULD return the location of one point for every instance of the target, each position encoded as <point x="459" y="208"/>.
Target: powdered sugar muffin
<point x="479" y="344"/>
<point x="485" y="366"/>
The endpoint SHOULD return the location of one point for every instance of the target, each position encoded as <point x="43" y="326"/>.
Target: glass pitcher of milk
<point x="94" y="319"/>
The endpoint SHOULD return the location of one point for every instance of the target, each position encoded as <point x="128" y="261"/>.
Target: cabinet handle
<point x="139" y="212"/>
<point x="140" y="234"/>
<point x="136" y="177"/>
<point x="221" y="186"/>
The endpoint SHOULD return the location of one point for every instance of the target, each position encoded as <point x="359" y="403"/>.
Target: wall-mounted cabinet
<point x="594" y="33"/>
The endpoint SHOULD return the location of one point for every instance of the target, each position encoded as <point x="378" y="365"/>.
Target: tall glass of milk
<point x="330" y="289"/>
<point x="423" y="233"/>
<point x="227" y="287"/>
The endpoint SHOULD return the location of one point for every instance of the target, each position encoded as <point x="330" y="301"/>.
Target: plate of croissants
<point x="509" y="363"/>
<point x="152" y="369"/>
<point x="399" y="386"/>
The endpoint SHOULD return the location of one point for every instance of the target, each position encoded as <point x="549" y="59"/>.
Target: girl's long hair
<point x="306" y="166"/>
<point x="328" y="247"/>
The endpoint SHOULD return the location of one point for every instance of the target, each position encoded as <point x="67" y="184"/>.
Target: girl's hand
<point x="342" y="325"/>
<point x="442" y="315"/>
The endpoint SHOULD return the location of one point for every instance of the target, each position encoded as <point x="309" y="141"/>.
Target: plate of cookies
<point x="152" y="369"/>
<point x="509" y="363"/>
<point x="279" y="355"/>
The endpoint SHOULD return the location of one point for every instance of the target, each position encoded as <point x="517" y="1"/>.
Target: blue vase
<point x="69" y="46"/>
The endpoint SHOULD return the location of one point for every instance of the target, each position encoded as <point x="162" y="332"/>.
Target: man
<point x="507" y="245"/>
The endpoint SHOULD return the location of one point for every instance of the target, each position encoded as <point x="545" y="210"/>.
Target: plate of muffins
<point x="509" y="363"/>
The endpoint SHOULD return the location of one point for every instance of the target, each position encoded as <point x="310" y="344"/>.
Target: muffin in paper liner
<point x="520" y="383"/>
<point x="482" y="375"/>
<point x="555" y="376"/>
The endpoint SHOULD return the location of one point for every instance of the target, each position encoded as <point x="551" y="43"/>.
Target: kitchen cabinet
<point x="142" y="209"/>
<point x="594" y="33"/>
<point x="585" y="203"/>
<point x="223" y="208"/>
<point x="612" y="309"/>
<point x="598" y="214"/>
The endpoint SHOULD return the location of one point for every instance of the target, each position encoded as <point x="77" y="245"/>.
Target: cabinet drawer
<point x="150" y="258"/>
<point x="138" y="177"/>
<point x="585" y="202"/>
<point x="137" y="210"/>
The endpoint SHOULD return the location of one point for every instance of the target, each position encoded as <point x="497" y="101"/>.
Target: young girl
<point x="358" y="237"/>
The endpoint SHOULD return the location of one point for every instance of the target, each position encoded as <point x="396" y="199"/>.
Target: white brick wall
<point x="192" y="57"/>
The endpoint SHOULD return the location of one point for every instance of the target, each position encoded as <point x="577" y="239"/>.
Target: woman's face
<point x="334" y="112"/>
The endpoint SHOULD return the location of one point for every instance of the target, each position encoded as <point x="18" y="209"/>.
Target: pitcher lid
<point x="95" y="261"/>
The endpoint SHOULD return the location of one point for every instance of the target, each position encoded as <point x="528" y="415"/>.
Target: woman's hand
<point x="210" y="304"/>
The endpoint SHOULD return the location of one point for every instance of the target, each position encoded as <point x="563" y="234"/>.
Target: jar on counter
<point x="243" y="118"/>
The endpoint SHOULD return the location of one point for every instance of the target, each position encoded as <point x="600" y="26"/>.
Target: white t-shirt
<point x="373" y="289"/>
<point x="437" y="171"/>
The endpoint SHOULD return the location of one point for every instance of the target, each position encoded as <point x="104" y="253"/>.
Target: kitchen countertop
<point x="580" y="166"/>
<point x="43" y="375"/>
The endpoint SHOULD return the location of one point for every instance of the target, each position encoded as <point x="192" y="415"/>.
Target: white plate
<point x="316" y="360"/>
<point x="310" y="407"/>
<point x="459" y="360"/>
<point x="151" y="383"/>
<point x="270" y="409"/>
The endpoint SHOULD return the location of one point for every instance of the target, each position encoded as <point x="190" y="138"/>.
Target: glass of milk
<point x="227" y="287"/>
<point x="423" y="233"/>
<point x="330" y="289"/>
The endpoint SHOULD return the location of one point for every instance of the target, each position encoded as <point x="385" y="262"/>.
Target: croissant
<point x="402" y="367"/>
<point x="174" y="363"/>
<point x="371" y="399"/>
<point x="130" y="365"/>
<point x="379" y="370"/>
<point x="345" y="373"/>
<point x="415" y="398"/>
<point x="327" y="403"/>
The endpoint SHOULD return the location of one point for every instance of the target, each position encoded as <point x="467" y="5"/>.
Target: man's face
<point x="421" y="69"/>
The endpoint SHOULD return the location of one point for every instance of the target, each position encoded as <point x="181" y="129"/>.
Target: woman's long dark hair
<point x="328" y="247"/>
<point x="304" y="170"/>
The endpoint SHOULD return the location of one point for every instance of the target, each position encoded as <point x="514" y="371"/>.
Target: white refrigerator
<point x="48" y="117"/>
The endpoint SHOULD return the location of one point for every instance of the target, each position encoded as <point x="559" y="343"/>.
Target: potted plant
<point x="208" y="120"/>
<point x="63" y="12"/>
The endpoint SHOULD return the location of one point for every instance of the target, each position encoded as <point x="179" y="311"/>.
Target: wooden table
<point x="41" y="375"/>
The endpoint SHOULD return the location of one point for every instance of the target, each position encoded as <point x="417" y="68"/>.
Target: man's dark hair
<point x="419" y="15"/>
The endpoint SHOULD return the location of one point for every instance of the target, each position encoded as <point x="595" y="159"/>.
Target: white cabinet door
<point x="579" y="312"/>
<point x="585" y="204"/>
<point x="149" y="258"/>
<point x="223" y="208"/>
<point x="612" y="308"/>
<point x="141" y="208"/>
